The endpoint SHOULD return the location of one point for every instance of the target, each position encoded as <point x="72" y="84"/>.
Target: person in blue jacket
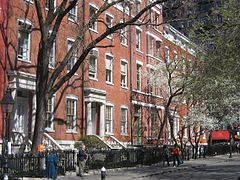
<point x="51" y="165"/>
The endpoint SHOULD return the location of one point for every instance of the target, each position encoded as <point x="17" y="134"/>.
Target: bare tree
<point x="49" y="83"/>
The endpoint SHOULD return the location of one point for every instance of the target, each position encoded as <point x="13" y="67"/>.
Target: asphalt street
<point x="218" y="167"/>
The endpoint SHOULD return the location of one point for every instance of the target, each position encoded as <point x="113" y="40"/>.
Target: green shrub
<point x="91" y="142"/>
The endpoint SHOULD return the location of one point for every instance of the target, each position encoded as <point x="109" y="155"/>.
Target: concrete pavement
<point x="147" y="171"/>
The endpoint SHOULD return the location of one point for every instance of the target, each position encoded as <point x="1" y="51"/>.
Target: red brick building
<point x="108" y="95"/>
<point x="3" y="77"/>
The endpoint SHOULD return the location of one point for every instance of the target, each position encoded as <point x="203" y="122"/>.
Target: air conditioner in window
<point x="24" y="26"/>
<point x="94" y="53"/>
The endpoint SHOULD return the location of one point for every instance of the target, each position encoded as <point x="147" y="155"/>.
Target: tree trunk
<point x="41" y="95"/>
<point x="39" y="123"/>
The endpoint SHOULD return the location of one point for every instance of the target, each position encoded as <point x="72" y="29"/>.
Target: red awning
<point x="220" y="135"/>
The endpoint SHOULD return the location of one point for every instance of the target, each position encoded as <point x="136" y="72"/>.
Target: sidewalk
<point x="146" y="171"/>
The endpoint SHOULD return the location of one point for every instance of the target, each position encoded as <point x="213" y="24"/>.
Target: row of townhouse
<point x="107" y="96"/>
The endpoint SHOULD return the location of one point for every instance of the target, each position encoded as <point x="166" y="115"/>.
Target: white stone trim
<point x="147" y="105"/>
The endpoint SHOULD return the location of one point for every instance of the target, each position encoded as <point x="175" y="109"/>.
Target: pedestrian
<point x="166" y="155"/>
<point x="205" y="151"/>
<point x="82" y="158"/>
<point x="175" y="153"/>
<point x="51" y="165"/>
<point x="238" y="147"/>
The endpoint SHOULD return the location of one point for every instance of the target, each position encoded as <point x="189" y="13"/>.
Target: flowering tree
<point x="171" y="77"/>
<point x="199" y="122"/>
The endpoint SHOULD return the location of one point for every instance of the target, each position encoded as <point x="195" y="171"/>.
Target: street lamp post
<point x="7" y="104"/>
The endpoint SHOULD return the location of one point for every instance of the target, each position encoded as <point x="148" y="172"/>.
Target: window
<point x="50" y="115"/>
<point x="52" y="57"/>
<point x="183" y="59"/>
<point x="175" y="59"/>
<point x="92" y="11"/>
<point x="176" y="127"/>
<point x="185" y="131"/>
<point x="123" y="36"/>
<point x="139" y="77"/>
<point x="167" y="54"/>
<point x="24" y="30"/>
<point x="31" y="1"/>
<point x="158" y="47"/>
<point x="93" y="64"/>
<point x="153" y="123"/>
<point x="71" y="114"/>
<point x="109" y="69"/>
<point x="150" y="84"/>
<point x="156" y="19"/>
<point x="138" y="40"/>
<point x="123" y="121"/>
<point x="48" y="4"/>
<point x="138" y="7"/>
<point x="151" y="17"/>
<point x="123" y="74"/>
<point x="109" y="23"/>
<point x="109" y="119"/>
<point x="151" y="45"/>
<point x="73" y="14"/>
<point x="72" y="60"/>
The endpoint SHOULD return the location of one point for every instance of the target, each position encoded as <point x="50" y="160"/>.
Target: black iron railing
<point x="34" y="165"/>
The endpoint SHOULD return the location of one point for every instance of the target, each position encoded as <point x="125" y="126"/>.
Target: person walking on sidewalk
<point x="166" y="155"/>
<point x="51" y="165"/>
<point x="175" y="153"/>
<point x="82" y="158"/>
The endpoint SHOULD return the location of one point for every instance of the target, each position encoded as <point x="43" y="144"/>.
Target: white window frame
<point x="110" y="24"/>
<point x="153" y="123"/>
<point x="167" y="54"/>
<point x="29" y="1"/>
<point x="124" y="122"/>
<point x="151" y="45"/>
<point x="94" y="26"/>
<point x="74" y="55"/>
<point x="151" y="71"/>
<point x="123" y="35"/>
<point x="156" y="16"/>
<point x="109" y="130"/>
<point x="124" y="73"/>
<point x="51" y="57"/>
<point x="138" y="6"/>
<point x="46" y="3"/>
<point x="74" y="99"/>
<point x="158" y="49"/>
<point x="139" y="74"/>
<point x="175" y="59"/>
<point x="50" y="112"/>
<point x="138" y="40"/>
<point x="93" y="71"/>
<point x="24" y="28"/>
<point x="73" y="14"/>
<point x="109" y="68"/>
<point x="176" y="127"/>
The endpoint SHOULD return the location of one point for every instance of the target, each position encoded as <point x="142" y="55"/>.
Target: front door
<point x="137" y="138"/>
<point x="95" y="111"/>
<point x="20" y="124"/>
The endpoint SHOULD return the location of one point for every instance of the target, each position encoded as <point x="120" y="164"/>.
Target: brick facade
<point x="107" y="95"/>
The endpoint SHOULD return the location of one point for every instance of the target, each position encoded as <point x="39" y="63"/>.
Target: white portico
<point x="95" y="100"/>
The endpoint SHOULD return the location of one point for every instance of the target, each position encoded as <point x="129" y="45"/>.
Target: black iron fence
<point x="34" y="165"/>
